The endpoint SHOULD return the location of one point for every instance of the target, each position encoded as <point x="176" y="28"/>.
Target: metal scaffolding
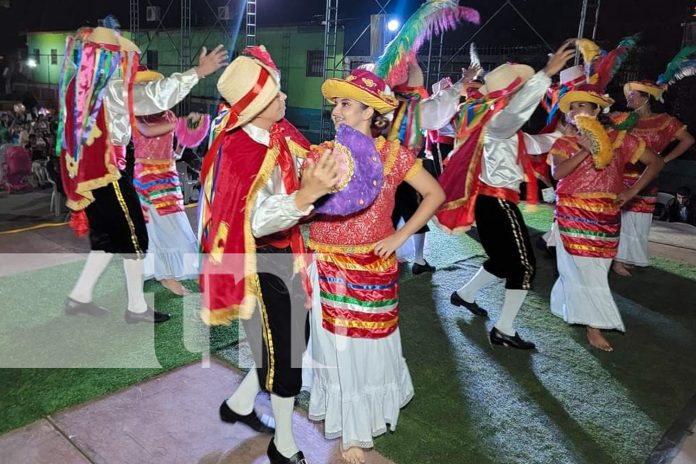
<point x="333" y="67"/>
<point x="591" y="6"/>
<point x="250" y="23"/>
<point x="330" y="66"/>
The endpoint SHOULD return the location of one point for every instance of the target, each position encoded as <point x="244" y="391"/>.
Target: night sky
<point x="660" y="21"/>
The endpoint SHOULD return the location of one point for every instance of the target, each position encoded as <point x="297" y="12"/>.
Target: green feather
<point x="675" y="65"/>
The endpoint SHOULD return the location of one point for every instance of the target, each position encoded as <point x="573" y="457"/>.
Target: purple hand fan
<point x="362" y="174"/>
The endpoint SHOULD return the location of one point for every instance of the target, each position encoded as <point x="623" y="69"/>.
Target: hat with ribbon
<point x="363" y="86"/>
<point x="505" y="80"/>
<point x="249" y="84"/>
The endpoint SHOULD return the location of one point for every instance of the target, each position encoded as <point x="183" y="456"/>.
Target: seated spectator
<point x="682" y="208"/>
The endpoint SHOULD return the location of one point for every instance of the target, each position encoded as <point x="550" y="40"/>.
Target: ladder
<point x="326" y="129"/>
<point x="135" y="20"/>
<point x="251" y="23"/>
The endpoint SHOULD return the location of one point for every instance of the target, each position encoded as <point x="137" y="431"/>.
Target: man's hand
<point x="208" y="63"/>
<point x="472" y="72"/>
<point x="558" y="60"/>
<point x="415" y="74"/>
<point x="318" y="179"/>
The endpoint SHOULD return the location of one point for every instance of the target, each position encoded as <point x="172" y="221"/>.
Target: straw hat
<point x="506" y="79"/>
<point x="649" y="87"/>
<point x="585" y="93"/>
<point x="572" y="76"/>
<point x="110" y="39"/>
<point x="363" y="86"/>
<point x="146" y="75"/>
<point x="238" y="82"/>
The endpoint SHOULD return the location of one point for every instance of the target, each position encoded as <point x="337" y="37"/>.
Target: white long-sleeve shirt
<point x="274" y="210"/>
<point x="148" y="98"/>
<point x="499" y="166"/>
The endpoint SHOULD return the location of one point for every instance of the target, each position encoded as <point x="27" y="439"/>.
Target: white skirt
<point x="359" y="385"/>
<point x="633" y="242"/>
<point x="173" y="249"/>
<point x="581" y="294"/>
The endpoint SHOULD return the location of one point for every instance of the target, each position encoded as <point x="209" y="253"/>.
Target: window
<point x="37" y="56"/>
<point x="315" y="63"/>
<point x="152" y="59"/>
<point x="54" y="56"/>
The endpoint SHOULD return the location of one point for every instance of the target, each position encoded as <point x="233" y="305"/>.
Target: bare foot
<point x="620" y="269"/>
<point x="174" y="286"/>
<point x="353" y="455"/>
<point x="596" y="339"/>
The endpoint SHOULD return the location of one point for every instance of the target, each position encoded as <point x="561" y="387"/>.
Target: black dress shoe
<point x="277" y="458"/>
<point x="148" y="316"/>
<point x="457" y="300"/>
<point x="251" y="419"/>
<point x="421" y="268"/>
<point x="499" y="338"/>
<point x="73" y="307"/>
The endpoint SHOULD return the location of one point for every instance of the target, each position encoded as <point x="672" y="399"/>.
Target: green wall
<point x="288" y="46"/>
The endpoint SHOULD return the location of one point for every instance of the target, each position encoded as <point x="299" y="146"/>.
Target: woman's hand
<point x="385" y="248"/>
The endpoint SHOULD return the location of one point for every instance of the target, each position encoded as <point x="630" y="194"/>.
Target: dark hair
<point x="684" y="191"/>
<point x="379" y="121"/>
<point x="602" y="116"/>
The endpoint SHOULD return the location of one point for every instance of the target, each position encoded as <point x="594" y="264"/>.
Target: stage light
<point x="393" y="25"/>
<point x="31" y="62"/>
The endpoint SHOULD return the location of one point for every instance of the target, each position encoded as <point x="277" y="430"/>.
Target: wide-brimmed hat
<point x="575" y="75"/>
<point x="505" y="79"/>
<point x="109" y="38"/>
<point x="249" y="84"/>
<point x="649" y="87"/>
<point x="363" y="86"/>
<point x="146" y="75"/>
<point x="585" y="93"/>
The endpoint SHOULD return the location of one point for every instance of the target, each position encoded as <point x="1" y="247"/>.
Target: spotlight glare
<point x="31" y="62"/>
<point x="393" y="25"/>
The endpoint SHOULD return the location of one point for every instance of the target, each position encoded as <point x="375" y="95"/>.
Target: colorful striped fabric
<point x="157" y="184"/>
<point x="589" y="226"/>
<point x="359" y="294"/>
<point x="646" y="200"/>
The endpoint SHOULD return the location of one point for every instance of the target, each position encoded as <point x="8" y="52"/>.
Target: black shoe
<point x="148" y="316"/>
<point x="499" y="338"/>
<point x="421" y="268"/>
<point x="457" y="300"/>
<point x="73" y="307"/>
<point x="251" y="419"/>
<point x="277" y="458"/>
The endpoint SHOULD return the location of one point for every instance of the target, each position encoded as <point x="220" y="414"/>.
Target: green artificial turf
<point x="566" y="403"/>
<point x="95" y="356"/>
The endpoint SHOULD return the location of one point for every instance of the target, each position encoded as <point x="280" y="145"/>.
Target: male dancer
<point x="255" y="266"/>
<point x="491" y="168"/>
<point x="91" y="146"/>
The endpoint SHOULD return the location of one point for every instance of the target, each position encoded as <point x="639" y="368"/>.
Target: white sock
<point x="96" y="263"/>
<point x="511" y="306"/>
<point x="242" y="400"/>
<point x="134" y="282"/>
<point x="284" y="438"/>
<point x="469" y="290"/>
<point x="418" y="245"/>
